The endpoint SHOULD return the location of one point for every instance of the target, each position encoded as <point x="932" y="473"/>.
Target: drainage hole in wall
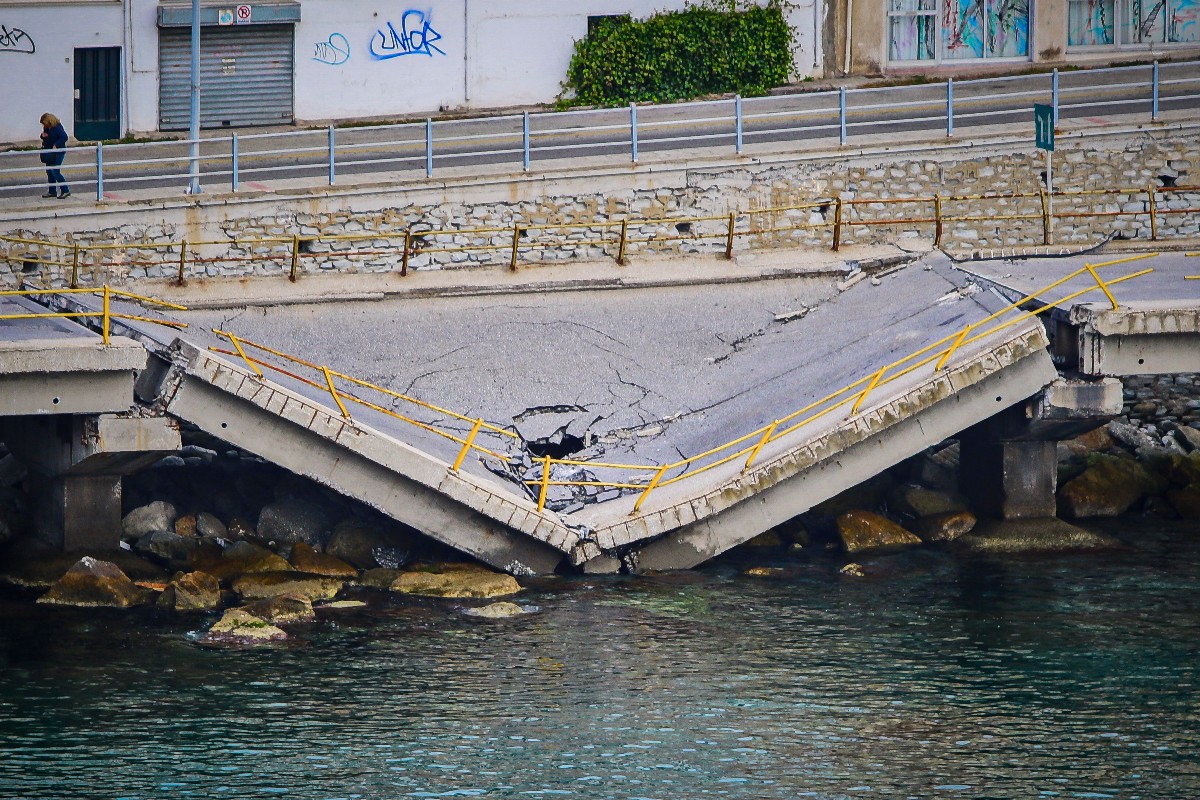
<point x="56" y="401"/>
<point x="1141" y="361"/>
<point x="999" y="399"/>
<point x="224" y="424"/>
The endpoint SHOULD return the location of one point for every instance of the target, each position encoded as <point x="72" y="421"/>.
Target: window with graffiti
<point x="1095" y="23"/>
<point x="933" y="30"/>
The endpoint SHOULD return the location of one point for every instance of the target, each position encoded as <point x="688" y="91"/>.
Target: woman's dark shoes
<point x="65" y="195"/>
<point x="49" y="194"/>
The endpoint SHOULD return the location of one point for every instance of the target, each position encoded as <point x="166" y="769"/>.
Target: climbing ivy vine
<point x="715" y="46"/>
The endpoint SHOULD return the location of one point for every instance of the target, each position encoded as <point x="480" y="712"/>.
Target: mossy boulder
<point x="1110" y="486"/>
<point x="1186" y="501"/>
<point x="241" y="558"/>
<point x="456" y="580"/>
<point x="1033" y="536"/>
<point x="865" y="530"/>
<point x="502" y="610"/>
<point x="257" y="585"/>
<point x="944" y="527"/>
<point x="306" y="559"/>
<point x="191" y="591"/>
<point x="917" y="501"/>
<point x="282" y="608"/>
<point x="91" y="582"/>
<point x="238" y="627"/>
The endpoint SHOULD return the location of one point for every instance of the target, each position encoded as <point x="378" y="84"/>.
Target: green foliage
<point x="713" y="47"/>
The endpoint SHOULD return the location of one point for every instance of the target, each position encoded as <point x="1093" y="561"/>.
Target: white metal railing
<point x="323" y="154"/>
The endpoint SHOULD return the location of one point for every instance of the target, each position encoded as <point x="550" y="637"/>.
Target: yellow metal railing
<point x="835" y="219"/>
<point x="105" y="314"/>
<point x="746" y="448"/>
<point x="327" y="380"/>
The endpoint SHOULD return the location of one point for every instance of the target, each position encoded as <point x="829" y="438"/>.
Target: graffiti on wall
<point x="1103" y="22"/>
<point x="333" y="51"/>
<point x="985" y="28"/>
<point x="416" y="37"/>
<point x="15" y="40"/>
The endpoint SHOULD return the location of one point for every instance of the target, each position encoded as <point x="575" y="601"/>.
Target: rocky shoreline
<point x="217" y="532"/>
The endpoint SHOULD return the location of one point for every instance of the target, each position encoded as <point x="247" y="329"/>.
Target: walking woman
<point x="54" y="137"/>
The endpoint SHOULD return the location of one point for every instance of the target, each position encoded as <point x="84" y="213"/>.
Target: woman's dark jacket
<point x="56" y="138"/>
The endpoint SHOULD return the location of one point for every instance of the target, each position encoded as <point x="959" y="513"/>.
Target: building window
<point x="953" y="30"/>
<point x="1092" y="23"/>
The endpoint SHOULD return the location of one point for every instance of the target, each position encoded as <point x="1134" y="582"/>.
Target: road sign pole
<point x="194" y="111"/>
<point x="1154" y="90"/>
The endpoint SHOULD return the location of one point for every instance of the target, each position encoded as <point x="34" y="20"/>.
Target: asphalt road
<point x="793" y="121"/>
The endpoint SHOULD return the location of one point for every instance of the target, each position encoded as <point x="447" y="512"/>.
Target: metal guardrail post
<point x="332" y="157"/>
<point x="1151" y="206"/>
<point x="295" y="257"/>
<point x="333" y="391"/>
<point x="766" y="437"/>
<point x="428" y="147"/>
<point x="525" y="140"/>
<point x="466" y="448"/>
<point x="950" y="106"/>
<point x="99" y="171"/>
<point x="182" y="261"/>
<point x="1045" y="216"/>
<point x="545" y="482"/>
<point x="649" y="488"/>
<point x="404" y="258"/>
<point x="737" y="115"/>
<point x="512" y="262"/>
<point x="1054" y="96"/>
<point x="729" y="235"/>
<point x="837" y="224"/>
<point x="75" y="265"/>
<point x="633" y="136"/>
<point x="1154" y="92"/>
<point x="621" y="246"/>
<point x="841" y="115"/>
<point x="937" y="220"/>
<point x="233" y="162"/>
<point x="107" y="315"/>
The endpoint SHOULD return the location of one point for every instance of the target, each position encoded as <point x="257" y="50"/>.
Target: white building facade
<point x="113" y="67"/>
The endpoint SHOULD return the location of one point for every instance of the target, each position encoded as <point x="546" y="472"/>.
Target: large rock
<point x="191" y="591"/>
<point x="1189" y="437"/>
<point x="167" y="546"/>
<point x="1131" y="436"/>
<point x="1110" y="485"/>
<point x="272" y="584"/>
<point x="1186" y="501"/>
<point x="917" y="501"/>
<point x="92" y="582"/>
<point x="864" y="530"/>
<point x="157" y="516"/>
<point x="502" y="610"/>
<point x="282" y="608"/>
<point x="305" y="559"/>
<point x="356" y="542"/>
<point x="379" y="578"/>
<point x="456" y="580"/>
<point x="294" y="519"/>
<point x="1094" y="441"/>
<point x="242" y="558"/>
<point x="209" y="526"/>
<point x="1033" y="536"/>
<point x="237" y="627"/>
<point x="945" y="527"/>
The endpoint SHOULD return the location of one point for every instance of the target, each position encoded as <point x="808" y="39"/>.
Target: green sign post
<point x="1043" y="137"/>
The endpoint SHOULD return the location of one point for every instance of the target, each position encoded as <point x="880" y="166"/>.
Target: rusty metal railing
<point x="106" y="315"/>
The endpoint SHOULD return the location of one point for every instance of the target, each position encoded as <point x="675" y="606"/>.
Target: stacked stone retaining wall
<point x="683" y="211"/>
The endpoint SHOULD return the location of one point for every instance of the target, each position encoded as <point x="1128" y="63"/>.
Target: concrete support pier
<point x="76" y="463"/>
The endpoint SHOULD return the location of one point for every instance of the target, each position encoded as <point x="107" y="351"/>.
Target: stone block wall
<point x="990" y="201"/>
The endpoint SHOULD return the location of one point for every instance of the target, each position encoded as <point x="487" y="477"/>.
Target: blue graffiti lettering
<point x="15" y="40"/>
<point x="334" y="50"/>
<point x="416" y="37"/>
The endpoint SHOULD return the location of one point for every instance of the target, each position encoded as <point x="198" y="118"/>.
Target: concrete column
<point x="1008" y="480"/>
<point x="78" y="512"/>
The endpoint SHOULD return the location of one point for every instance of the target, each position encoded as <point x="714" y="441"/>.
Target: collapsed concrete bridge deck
<point x="652" y="377"/>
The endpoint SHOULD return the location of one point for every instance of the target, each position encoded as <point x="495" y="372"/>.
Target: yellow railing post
<point x="295" y="258"/>
<point x="182" y="261"/>
<point x="512" y="262"/>
<point x="1045" y="216"/>
<point x="333" y="391"/>
<point x="404" y="258"/>
<point x="545" y="483"/>
<point x="649" y="488"/>
<point x="837" y="224"/>
<point x="107" y="315"/>
<point x="870" y="386"/>
<point x="75" y="266"/>
<point x="766" y="437"/>
<point x="1151" y="206"/>
<point x="238" y="346"/>
<point x="621" y="246"/>
<point x="1103" y="286"/>
<point x="958" y="340"/>
<point x="937" y="220"/>
<point x="462" y="454"/>
<point x="729" y="235"/>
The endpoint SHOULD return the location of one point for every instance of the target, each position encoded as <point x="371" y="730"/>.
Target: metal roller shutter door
<point x="246" y="76"/>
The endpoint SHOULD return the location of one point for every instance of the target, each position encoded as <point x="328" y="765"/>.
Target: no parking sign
<point x="242" y="15"/>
